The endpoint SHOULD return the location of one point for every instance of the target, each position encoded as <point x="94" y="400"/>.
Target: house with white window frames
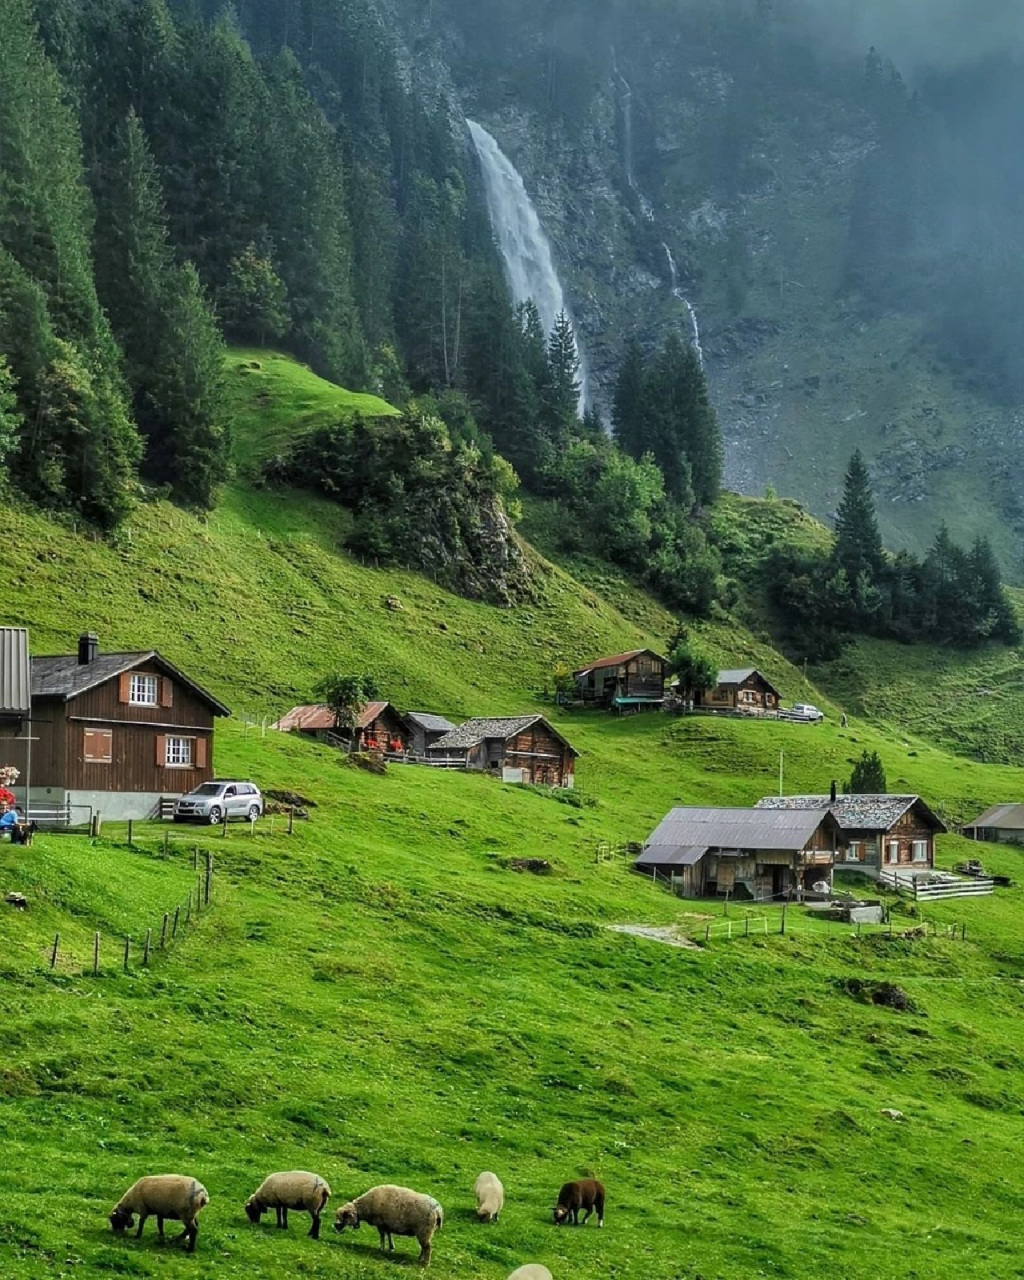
<point x="116" y="733"/>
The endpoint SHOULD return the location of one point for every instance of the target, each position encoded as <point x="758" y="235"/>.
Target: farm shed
<point x="378" y="727"/>
<point x="520" y="748"/>
<point x="15" y="704"/>
<point x="117" y="732"/>
<point x="1000" y="824"/>
<point x="627" y="681"/>
<point x="740" y="689"/>
<point x="747" y="853"/>
<point x="880" y="832"/>
<point x="425" y="729"/>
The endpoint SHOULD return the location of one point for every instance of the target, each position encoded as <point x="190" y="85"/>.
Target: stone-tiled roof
<point x="858" y="812"/>
<point x="430" y="722"/>
<point x="63" y="676"/>
<point x="501" y="727"/>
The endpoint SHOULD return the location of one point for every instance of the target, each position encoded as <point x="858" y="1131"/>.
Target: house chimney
<point x="832" y="794"/>
<point x="88" y="648"/>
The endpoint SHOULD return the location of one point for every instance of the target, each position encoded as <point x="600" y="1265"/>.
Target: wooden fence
<point x="936" y="890"/>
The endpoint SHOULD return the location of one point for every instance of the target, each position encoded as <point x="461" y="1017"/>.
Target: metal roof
<point x="858" y="812"/>
<point x="432" y="723"/>
<point x="684" y="856"/>
<point x="709" y="828"/>
<point x="15" y="678"/>
<point x="1006" y="817"/>
<point x="370" y="712"/>
<point x="63" y="676"/>
<point x="313" y="716"/>
<point x="479" y="730"/>
<point x="615" y="661"/>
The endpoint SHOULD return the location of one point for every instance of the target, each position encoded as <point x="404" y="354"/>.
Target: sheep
<point x="532" y="1271"/>
<point x="586" y="1194"/>
<point x="294" y="1190"/>
<point x="394" y="1211"/>
<point x="167" y="1195"/>
<point x="490" y="1197"/>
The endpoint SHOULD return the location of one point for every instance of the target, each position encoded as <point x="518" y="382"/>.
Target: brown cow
<point x="586" y="1194"/>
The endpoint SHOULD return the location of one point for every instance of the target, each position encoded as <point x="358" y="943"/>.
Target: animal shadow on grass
<point x="407" y="1259"/>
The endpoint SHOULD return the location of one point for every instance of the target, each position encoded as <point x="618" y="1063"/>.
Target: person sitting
<point x="10" y="824"/>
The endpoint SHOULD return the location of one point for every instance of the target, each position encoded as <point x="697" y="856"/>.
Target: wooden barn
<point x="425" y="729"/>
<point x="751" y="854"/>
<point x="880" y="832"/>
<point x="740" y="689"/>
<point x="16" y="706"/>
<point x="117" y="732"/>
<point x="520" y="748"/>
<point x="378" y="727"/>
<point x="1000" y="824"/>
<point x="625" y="682"/>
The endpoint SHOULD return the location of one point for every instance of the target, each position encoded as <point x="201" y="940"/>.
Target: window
<point x="98" y="746"/>
<point x="920" y="850"/>
<point x="143" y="691"/>
<point x="855" y="852"/>
<point x="893" y="850"/>
<point x="178" y="753"/>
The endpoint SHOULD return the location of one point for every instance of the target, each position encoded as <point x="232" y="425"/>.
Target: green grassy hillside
<point x="382" y="997"/>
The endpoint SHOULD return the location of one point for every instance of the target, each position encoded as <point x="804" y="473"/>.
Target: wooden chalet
<point x="751" y="854"/>
<point x="1000" y="824"/>
<point x="378" y="727"/>
<point x="740" y="689"/>
<point x="520" y="748"/>
<point x="116" y="733"/>
<point x="626" y="682"/>
<point x="425" y="729"/>
<point x="880" y="832"/>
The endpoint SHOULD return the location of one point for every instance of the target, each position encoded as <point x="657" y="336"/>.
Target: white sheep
<point x="532" y="1271"/>
<point x="296" y="1189"/>
<point x="490" y="1197"/>
<point x="165" y="1195"/>
<point x="394" y="1211"/>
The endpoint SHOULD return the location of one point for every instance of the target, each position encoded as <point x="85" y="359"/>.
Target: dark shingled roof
<point x="501" y="727"/>
<point x="63" y="676"/>
<point x="432" y="723"/>
<point x="858" y="812"/>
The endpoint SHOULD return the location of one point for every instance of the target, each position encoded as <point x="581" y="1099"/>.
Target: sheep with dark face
<point x="294" y="1190"/>
<point x="490" y="1197"/>
<point x="586" y="1195"/>
<point x="165" y="1195"/>
<point x="394" y="1211"/>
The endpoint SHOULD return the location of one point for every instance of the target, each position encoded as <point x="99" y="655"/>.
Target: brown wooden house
<point x="378" y="727"/>
<point x="520" y="748"/>
<point x="750" y="854"/>
<point x="626" y="681"/>
<point x="999" y="824"/>
<point x="426" y="728"/>
<point x="116" y="732"/>
<point x="740" y="689"/>
<point x="16" y="706"/>
<point x="880" y="832"/>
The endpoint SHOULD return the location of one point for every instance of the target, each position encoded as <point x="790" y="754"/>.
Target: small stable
<point x="525" y="749"/>
<point x="378" y="727"/>
<point x="1000" y="824"/>
<point x="625" y="682"/>
<point x="749" y="854"/>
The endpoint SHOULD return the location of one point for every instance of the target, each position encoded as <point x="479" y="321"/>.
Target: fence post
<point x="782" y="927"/>
<point x="53" y="954"/>
<point x="163" y="930"/>
<point x="188" y="908"/>
<point x="746" y="927"/>
<point x="963" y="932"/>
<point x="95" y="954"/>
<point x="195" y="858"/>
<point x="291" y="819"/>
<point x="199" y="894"/>
<point x="209" y="877"/>
<point x="145" y="948"/>
<point x="174" y="927"/>
<point x="127" y="952"/>
<point x="252" y="826"/>
<point x="224" y="827"/>
<point x="166" y="839"/>
<point x="131" y="829"/>
<point x="95" y="824"/>
<point x="707" y="933"/>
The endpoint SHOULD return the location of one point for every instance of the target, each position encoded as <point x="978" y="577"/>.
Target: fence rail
<point x="936" y="890"/>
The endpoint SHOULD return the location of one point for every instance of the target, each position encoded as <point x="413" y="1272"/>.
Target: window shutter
<point x="166" y="692"/>
<point x="161" y="750"/>
<point x="200" y="753"/>
<point x="124" y="686"/>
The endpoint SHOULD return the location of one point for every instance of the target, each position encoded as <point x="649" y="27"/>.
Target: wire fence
<point x="787" y="922"/>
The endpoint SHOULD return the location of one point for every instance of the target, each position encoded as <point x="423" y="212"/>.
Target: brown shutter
<point x="200" y="753"/>
<point x="124" y="686"/>
<point x="166" y="692"/>
<point x="161" y="750"/>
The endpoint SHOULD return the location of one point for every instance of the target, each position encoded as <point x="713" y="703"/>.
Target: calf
<point x="586" y="1194"/>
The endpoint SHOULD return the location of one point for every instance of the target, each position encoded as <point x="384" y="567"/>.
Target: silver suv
<point x="212" y="802"/>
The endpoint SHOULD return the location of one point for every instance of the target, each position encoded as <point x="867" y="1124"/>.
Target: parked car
<point x="804" y="711"/>
<point x="212" y="802"/>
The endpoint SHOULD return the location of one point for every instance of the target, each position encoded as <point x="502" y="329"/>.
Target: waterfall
<point x="525" y="249"/>
<point x="679" y="295"/>
<point x="625" y="96"/>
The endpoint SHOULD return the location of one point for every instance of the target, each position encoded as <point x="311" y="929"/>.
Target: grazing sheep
<point x="394" y="1211"/>
<point x="586" y="1194"/>
<point x="532" y="1271"/>
<point x="294" y="1190"/>
<point x="490" y="1197"/>
<point x="166" y="1195"/>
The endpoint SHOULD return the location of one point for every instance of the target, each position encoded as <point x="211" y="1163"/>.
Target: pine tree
<point x="628" y="405"/>
<point x="868" y="777"/>
<point x="254" y="302"/>
<point x="561" y="392"/>
<point x="858" y="544"/>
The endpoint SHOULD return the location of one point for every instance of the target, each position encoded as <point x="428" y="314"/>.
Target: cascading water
<point x="680" y="296"/>
<point x="525" y="249"/>
<point x="626" y="107"/>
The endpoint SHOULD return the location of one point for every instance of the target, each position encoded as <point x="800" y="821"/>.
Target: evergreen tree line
<point x="954" y="596"/>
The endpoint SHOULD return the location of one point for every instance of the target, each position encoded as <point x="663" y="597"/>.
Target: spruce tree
<point x="561" y="393"/>
<point x="628" y="422"/>
<point x="858" y="544"/>
<point x="868" y="777"/>
<point x="254" y="302"/>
